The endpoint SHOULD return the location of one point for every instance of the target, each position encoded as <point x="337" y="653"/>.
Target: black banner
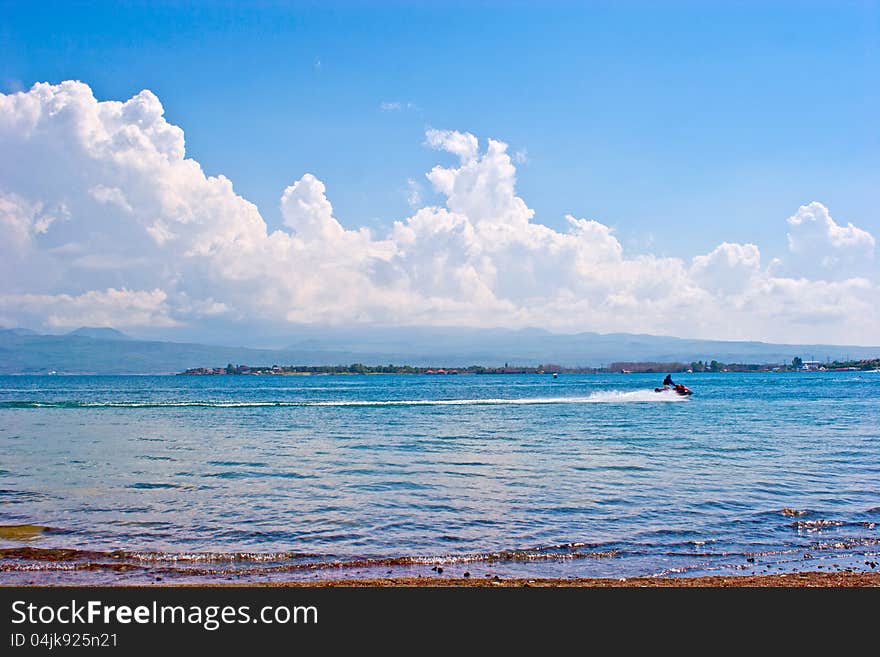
<point x="174" y="620"/>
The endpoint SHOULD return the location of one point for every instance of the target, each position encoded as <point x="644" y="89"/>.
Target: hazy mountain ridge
<point x="99" y="333"/>
<point x="107" y="351"/>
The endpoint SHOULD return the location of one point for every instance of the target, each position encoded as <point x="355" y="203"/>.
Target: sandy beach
<point x="813" y="579"/>
<point x="791" y="580"/>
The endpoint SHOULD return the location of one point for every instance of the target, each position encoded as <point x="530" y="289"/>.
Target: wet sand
<point x="114" y="569"/>
<point x="792" y="580"/>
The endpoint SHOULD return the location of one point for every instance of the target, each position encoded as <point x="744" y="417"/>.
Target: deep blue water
<point x="249" y="477"/>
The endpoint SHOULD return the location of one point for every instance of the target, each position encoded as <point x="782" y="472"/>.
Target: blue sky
<point x="678" y="124"/>
<point x="691" y="130"/>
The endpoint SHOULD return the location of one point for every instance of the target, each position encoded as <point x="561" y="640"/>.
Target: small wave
<point x="33" y="559"/>
<point x="606" y="397"/>
<point x="254" y="474"/>
<point x="847" y="544"/>
<point x="816" y="525"/>
<point x="8" y="496"/>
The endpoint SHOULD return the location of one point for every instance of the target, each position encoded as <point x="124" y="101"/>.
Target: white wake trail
<point x="598" y="397"/>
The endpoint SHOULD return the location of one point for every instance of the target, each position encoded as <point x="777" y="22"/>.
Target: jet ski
<point x="678" y="388"/>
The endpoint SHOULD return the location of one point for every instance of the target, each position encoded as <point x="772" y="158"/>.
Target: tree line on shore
<point x="698" y="366"/>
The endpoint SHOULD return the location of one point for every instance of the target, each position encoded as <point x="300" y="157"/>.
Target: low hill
<point x="106" y="351"/>
<point x="99" y="333"/>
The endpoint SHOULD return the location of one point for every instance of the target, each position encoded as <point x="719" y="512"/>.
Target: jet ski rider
<point x="668" y="381"/>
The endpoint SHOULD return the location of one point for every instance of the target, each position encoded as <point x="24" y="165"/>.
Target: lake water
<point x="244" y="478"/>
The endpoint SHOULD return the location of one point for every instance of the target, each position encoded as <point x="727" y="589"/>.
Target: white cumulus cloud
<point x="820" y="246"/>
<point x="729" y="268"/>
<point x="104" y="220"/>
<point x="110" y="307"/>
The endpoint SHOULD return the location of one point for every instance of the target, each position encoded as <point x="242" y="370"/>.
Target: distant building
<point x="812" y="365"/>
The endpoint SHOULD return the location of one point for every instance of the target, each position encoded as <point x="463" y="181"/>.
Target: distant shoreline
<point x="696" y="367"/>
<point x="459" y="372"/>
<point x="99" y="351"/>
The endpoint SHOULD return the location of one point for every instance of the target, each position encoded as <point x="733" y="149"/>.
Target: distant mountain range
<point x="101" y="333"/>
<point x="108" y="351"/>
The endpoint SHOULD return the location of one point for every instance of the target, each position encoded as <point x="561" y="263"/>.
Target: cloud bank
<point x="105" y="221"/>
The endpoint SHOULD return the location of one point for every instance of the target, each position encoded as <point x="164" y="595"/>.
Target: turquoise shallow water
<point x="254" y="478"/>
